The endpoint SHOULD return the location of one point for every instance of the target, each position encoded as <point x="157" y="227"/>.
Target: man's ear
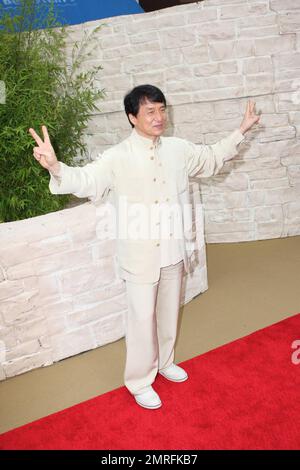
<point x="132" y="119"/>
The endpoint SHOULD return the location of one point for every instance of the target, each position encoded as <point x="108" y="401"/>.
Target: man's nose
<point x="159" y="116"/>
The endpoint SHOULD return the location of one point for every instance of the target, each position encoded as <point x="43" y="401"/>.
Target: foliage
<point x="44" y="85"/>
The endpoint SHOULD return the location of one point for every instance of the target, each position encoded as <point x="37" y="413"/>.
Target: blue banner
<point x="78" y="11"/>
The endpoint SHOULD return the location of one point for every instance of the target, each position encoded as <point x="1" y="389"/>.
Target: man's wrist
<point x="55" y="169"/>
<point x="242" y="130"/>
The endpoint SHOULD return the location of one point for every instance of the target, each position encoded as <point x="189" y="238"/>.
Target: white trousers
<point x="151" y="326"/>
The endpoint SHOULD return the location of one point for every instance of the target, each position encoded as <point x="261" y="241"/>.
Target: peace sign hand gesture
<point x="250" y="118"/>
<point x="44" y="153"/>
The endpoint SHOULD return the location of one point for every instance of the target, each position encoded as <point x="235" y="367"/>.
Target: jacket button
<point x="156" y="202"/>
<point x="157" y="244"/>
<point x="151" y="158"/>
<point x="167" y="199"/>
<point x="154" y="179"/>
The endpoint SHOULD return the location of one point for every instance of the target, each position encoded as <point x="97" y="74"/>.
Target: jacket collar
<point x="144" y="142"/>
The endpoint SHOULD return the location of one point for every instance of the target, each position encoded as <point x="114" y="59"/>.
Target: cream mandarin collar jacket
<point x="148" y="176"/>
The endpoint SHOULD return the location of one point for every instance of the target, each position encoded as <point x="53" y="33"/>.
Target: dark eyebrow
<point x="149" y="107"/>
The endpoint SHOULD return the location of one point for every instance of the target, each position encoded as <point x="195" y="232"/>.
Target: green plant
<point x="43" y="86"/>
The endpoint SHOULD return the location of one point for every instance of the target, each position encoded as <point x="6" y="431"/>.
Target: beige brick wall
<point x="209" y="58"/>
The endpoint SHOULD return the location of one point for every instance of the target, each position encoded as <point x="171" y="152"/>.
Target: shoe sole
<point x="154" y="407"/>
<point x="174" y="380"/>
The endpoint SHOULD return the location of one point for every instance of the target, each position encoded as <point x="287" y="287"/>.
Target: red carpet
<point x="244" y="395"/>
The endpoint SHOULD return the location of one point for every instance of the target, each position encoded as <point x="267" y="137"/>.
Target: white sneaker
<point x="148" y="399"/>
<point x="174" y="373"/>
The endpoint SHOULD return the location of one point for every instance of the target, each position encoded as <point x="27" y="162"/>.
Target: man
<point x="151" y="171"/>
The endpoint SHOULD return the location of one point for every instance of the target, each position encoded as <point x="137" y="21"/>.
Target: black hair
<point x="138" y="96"/>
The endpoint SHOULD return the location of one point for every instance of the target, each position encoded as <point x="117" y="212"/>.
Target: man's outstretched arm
<point x="91" y="180"/>
<point x="207" y="160"/>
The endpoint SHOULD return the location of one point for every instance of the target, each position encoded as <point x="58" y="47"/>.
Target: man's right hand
<point x="44" y="153"/>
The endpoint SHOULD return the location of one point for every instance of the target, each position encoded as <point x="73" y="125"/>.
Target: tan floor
<point x="251" y="285"/>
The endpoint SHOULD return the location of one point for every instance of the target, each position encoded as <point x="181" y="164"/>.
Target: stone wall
<point x="209" y="58"/>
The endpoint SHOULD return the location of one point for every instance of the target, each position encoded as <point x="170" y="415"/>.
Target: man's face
<point x="151" y="119"/>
